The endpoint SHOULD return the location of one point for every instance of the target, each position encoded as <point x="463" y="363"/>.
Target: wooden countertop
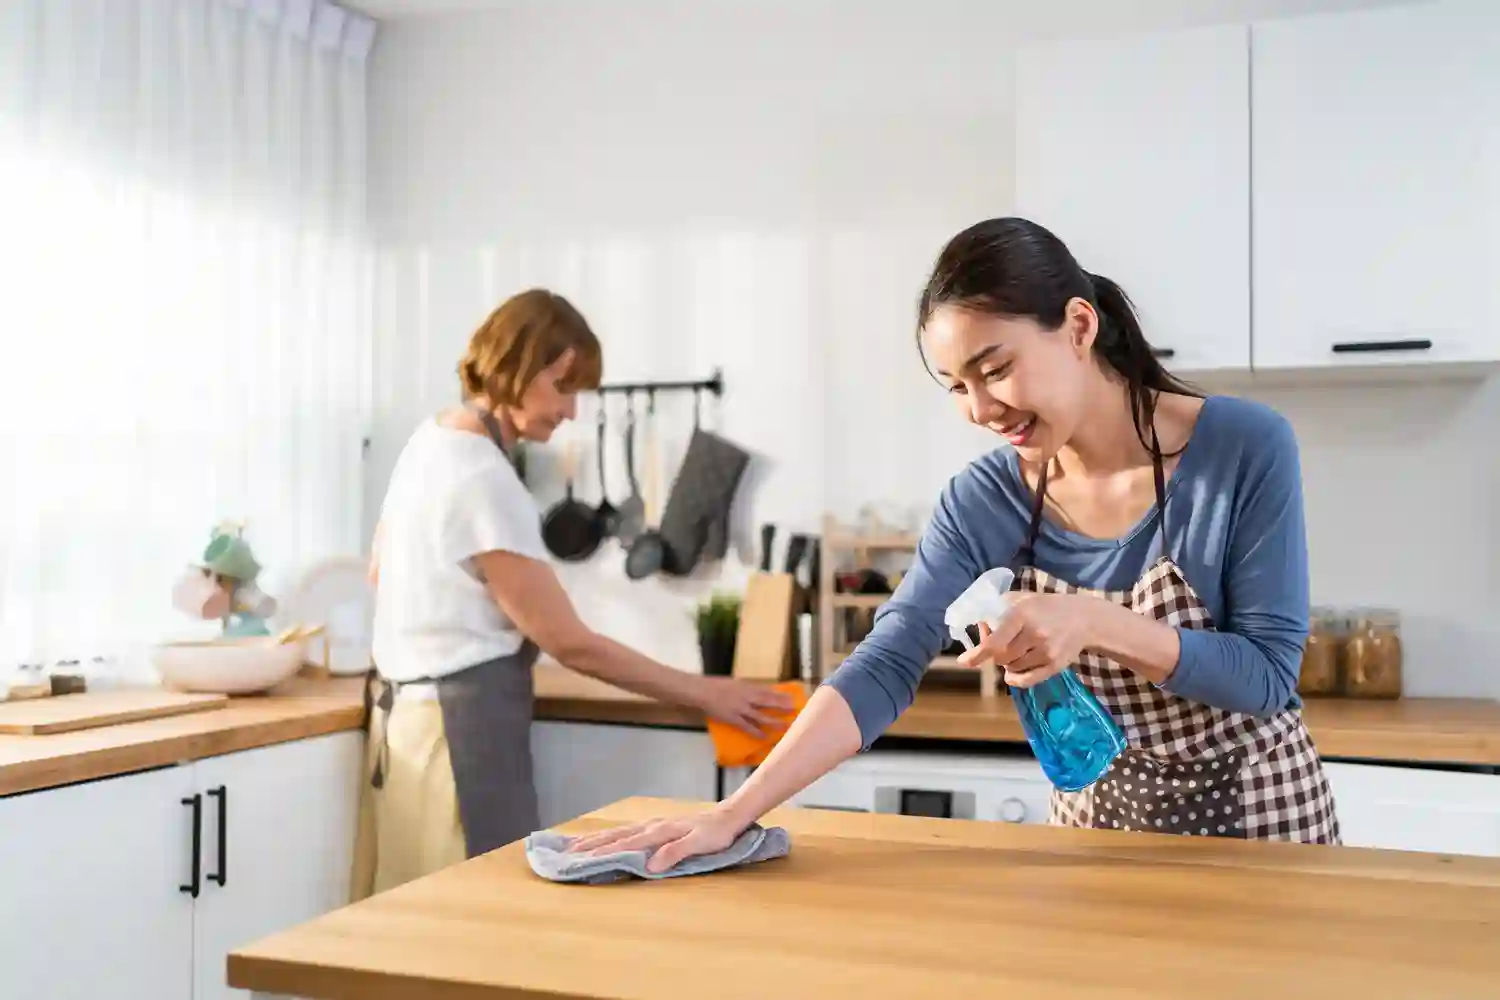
<point x="1433" y="730"/>
<point x="295" y="710"/>
<point x="895" y="906"/>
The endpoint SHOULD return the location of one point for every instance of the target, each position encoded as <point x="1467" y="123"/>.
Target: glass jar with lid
<point x="1372" y="654"/>
<point x="1320" y="657"/>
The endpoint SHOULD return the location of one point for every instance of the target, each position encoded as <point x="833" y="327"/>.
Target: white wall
<point x="762" y="187"/>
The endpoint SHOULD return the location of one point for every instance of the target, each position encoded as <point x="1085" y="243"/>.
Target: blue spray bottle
<point x="1074" y="738"/>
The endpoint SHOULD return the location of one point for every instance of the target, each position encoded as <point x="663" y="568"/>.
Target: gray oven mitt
<point x="544" y="851"/>
<point x="695" y="522"/>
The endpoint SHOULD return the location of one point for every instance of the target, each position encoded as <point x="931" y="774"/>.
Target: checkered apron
<point x="1188" y="768"/>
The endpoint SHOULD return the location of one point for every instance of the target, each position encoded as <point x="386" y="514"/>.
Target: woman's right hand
<point x="667" y="841"/>
<point x="745" y="705"/>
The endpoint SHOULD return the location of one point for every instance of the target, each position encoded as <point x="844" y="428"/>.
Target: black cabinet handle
<point x="196" y="802"/>
<point x="222" y="794"/>
<point x="1163" y="352"/>
<point x="1381" y="346"/>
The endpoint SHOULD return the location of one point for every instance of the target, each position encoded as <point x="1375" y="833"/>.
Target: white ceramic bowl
<point x="237" y="666"/>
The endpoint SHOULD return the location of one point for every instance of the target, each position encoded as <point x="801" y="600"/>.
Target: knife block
<point x="765" y="645"/>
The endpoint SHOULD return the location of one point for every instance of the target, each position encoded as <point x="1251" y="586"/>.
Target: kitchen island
<point x="894" y="906"/>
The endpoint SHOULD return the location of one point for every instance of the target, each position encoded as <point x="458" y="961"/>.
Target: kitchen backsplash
<point x="786" y="244"/>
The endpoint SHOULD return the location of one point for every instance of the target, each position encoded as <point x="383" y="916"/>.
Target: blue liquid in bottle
<point x="1074" y="738"/>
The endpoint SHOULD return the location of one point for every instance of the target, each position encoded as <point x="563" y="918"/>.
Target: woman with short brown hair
<point x="466" y="599"/>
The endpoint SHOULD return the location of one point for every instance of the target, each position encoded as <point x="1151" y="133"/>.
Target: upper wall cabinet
<point x="1136" y="152"/>
<point x="1376" y="167"/>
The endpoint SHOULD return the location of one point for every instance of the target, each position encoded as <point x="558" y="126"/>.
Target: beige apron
<point x="446" y="778"/>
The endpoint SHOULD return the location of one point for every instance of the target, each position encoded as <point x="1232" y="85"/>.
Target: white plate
<point x="337" y="595"/>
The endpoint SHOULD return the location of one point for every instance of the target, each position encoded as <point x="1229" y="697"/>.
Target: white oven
<point x="952" y="786"/>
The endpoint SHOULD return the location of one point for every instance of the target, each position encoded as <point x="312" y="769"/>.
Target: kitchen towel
<point x="545" y="852"/>
<point x="733" y="747"/>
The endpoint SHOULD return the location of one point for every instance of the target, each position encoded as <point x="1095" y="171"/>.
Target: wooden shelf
<point x="867" y="601"/>
<point x="854" y="540"/>
<point x="834" y="608"/>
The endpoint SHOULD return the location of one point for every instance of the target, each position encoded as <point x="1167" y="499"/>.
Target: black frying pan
<point x="570" y="529"/>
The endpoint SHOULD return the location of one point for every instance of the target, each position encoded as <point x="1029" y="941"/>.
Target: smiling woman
<point x="1159" y="548"/>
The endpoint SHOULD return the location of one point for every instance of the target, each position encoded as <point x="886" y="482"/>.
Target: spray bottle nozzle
<point x="984" y="601"/>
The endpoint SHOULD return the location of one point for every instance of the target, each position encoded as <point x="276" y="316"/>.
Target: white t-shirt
<point x="452" y="496"/>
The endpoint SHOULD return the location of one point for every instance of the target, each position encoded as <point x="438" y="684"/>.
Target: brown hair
<point x="528" y="332"/>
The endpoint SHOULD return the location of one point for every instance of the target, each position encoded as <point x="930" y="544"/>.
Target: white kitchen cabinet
<point x="1376" y="166"/>
<point x="580" y="767"/>
<point x="98" y="877"/>
<point x="1135" y="151"/>
<point x="288" y="845"/>
<point x="90" y="876"/>
<point x="1408" y="809"/>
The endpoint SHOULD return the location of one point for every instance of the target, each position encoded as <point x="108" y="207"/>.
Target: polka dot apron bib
<point x="1187" y="768"/>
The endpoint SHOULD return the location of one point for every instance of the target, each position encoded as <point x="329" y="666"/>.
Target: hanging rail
<point x="714" y="384"/>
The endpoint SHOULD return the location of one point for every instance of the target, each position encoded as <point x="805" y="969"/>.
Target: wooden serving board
<point x="68" y="712"/>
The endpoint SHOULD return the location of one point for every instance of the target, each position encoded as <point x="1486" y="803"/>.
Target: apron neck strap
<point x="1028" y="550"/>
<point x="491" y="427"/>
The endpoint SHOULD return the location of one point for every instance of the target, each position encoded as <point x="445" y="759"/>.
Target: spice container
<point x="1320" y="658"/>
<point x="1372" y="655"/>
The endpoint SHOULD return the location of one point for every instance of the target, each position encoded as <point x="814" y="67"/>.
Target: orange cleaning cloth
<point x="737" y="748"/>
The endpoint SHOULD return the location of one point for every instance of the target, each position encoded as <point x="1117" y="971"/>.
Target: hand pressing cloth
<point x="545" y="851"/>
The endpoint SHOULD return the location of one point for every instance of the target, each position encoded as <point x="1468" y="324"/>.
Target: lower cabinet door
<point x="278" y="845"/>
<point x="91" y="877"/>
<point x="580" y="767"/>
<point x="1411" y="809"/>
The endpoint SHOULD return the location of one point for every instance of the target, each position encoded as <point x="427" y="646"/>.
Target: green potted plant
<point x="718" y="620"/>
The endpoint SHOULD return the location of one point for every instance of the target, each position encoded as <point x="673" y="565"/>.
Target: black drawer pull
<point x="222" y="794"/>
<point x="196" y="803"/>
<point x="1163" y="352"/>
<point x="1381" y="346"/>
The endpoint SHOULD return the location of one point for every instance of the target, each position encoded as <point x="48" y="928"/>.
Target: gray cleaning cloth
<point x="544" y="850"/>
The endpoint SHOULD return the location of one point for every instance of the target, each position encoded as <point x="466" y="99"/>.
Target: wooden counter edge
<point x="36" y="763"/>
<point x="271" y="977"/>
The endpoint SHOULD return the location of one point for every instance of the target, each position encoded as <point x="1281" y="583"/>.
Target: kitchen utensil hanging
<point x="647" y="550"/>
<point x="695" y="523"/>
<point x="633" y="511"/>
<point x="606" y="514"/>
<point x="570" y="528"/>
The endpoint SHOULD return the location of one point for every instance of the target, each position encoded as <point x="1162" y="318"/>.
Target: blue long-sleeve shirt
<point x="1235" y="528"/>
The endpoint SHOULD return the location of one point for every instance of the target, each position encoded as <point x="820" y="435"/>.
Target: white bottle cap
<point x="985" y="601"/>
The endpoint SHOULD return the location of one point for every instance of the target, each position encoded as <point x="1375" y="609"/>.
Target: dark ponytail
<point x="1015" y="268"/>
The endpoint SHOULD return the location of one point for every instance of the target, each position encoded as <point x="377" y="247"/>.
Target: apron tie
<point x="384" y="701"/>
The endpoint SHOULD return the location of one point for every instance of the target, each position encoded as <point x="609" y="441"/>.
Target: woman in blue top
<point x="1159" y="543"/>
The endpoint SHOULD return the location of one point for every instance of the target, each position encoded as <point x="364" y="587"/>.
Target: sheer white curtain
<point x="184" y="304"/>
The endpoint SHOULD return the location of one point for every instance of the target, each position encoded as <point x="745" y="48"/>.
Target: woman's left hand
<point x="1040" y="635"/>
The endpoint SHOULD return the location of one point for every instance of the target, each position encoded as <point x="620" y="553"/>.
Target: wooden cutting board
<point x="765" y="646"/>
<point x="68" y="712"/>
